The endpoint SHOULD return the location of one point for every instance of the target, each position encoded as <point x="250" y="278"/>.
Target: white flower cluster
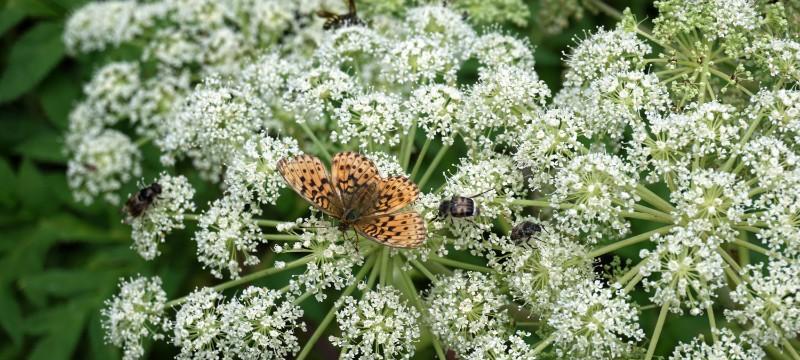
<point x="228" y="237"/>
<point x="379" y="325"/>
<point x="682" y="139"/>
<point x="134" y="315"/>
<point x="163" y="215"/>
<point x="258" y="323"/>
<point x="464" y="308"/>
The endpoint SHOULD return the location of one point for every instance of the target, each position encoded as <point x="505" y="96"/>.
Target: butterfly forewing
<point x="353" y="174"/>
<point x="307" y="176"/>
<point x="393" y="194"/>
<point x="404" y="230"/>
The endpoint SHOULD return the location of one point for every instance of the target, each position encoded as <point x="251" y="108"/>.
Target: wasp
<point x="138" y="203"/>
<point x="524" y="230"/>
<point x="335" y="21"/>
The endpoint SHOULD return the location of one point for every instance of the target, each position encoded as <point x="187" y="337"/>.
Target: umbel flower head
<point x="135" y="315"/>
<point x="661" y="177"/>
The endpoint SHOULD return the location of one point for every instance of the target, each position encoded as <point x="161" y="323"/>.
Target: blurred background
<point x="59" y="260"/>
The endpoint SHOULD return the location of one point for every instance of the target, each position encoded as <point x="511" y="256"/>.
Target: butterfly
<point x="358" y="197"/>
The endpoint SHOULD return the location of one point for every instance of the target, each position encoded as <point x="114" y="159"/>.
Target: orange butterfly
<point x="358" y="197"/>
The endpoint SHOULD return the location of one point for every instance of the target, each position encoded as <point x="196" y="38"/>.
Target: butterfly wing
<point x="392" y="194"/>
<point x="402" y="230"/>
<point x="355" y="177"/>
<point x="307" y="176"/>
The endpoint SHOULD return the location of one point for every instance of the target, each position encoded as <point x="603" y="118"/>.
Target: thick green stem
<point x="543" y="344"/>
<point x="408" y="146"/>
<point x="268" y="223"/>
<point x="535" y="203"/>
<point x="332" y="312"/>
<point x="253" y="276"/>
<point x="632" y="284"/>
<point x="316" y="141"/>
<point x="631" y="273"/>
<point x="281" y="237"/>
<point x="653" y="199"/>
<point x="424" y="270"/>
<point x="646" y="216"/>
<point x="712" y="322"/>
<point x="384" y="265"/>
<point x="420" y="157"/>
<point x="754" y="247"/>
<point x="433" y="166"/>
<point x="629" y="241"/>
<point x="405" y="280"/>
<point x="460" y="264"/>
<point x="790" y="349"/>
<point x="662" y="317"/>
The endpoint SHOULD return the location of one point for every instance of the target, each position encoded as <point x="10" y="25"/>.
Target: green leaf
<point x="65" y="327"/>
<point x="45" y="146"/>
<point x="31" y="58"/>
<point x="16" y="126"/>
<point x="65" y="282"/>
<point x="9" y="18"/>
<point x="97" y="345"/>
<point x="32" y="189"/>
<point x="10" y="315"/>
<point x="7" y="198"/>
<point x="35" y="8"/>
<point x="68" y="228"/>
<point x="57" y="95"/>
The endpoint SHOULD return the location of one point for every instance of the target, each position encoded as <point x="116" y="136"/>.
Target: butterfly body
<point x="358" y="197"/>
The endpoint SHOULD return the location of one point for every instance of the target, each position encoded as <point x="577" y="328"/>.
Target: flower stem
<point x="407" y="146"/>
<point x="253" y="276"/>
<point x="662" y="317"/>
<point x="420" y="157"/>
<point x="373" y="275"/>
<point x="268" y="223"/>
<point x="332" y="312"/>
<point x="653" y="198"/>
<point x="631" y="273"/>
<point x="646" y="216"/>
<point x="712" y="322"/>
<point x="424" y="270"/>
<point x="384" y="265"/>
<point x="629" y="241"/>
<point x="460" y="264"/>
<point x="281" y="237"/>
<point x="411" y="291"/>
<point x="433" y="165"/>
<point x="631" y="284"/>
<point x="754" y="247"/>
<point x="543" y="344"/>
<point x="302" y="298"/>
<point x="535" y="203"/>
<point x="316" y="141"/>
<point x="790" y="349"/>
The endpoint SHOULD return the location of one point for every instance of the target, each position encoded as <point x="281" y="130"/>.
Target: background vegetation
<point x="59" y="260"/>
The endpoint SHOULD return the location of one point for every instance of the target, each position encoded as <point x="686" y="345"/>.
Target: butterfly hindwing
<point x="308" y="177"/>
<point x="403" y="230"/>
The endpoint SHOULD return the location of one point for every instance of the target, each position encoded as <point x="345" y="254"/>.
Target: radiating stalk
<point x="332" y="312"/>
